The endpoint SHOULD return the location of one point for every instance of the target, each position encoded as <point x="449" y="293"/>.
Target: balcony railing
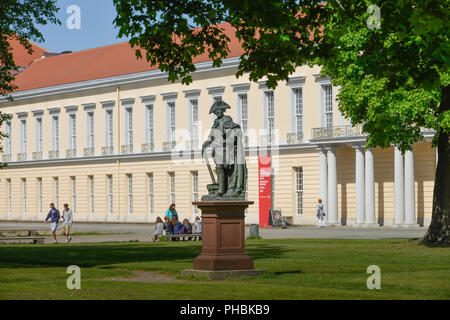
<point x="107" y="151"/>
<point x="71" y="153"/>
<point x="126" y="149"/>
<point x="169" y="145"/>
<point x="147" y="147"/>
<point x="88" y="152"/>
<point x="37" y="155"/>
<point x="53" y="154"/>
<point x="22" y="156"/>
<point x="294" y="138"/>
<point x="337" y="131"/>
<point x="6" y="157"/>
<point x="192" y="145"/>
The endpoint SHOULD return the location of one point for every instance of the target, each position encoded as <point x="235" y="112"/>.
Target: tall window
<point x="55" y="133"/>
<point x="73" y="131"/>
<point x="195" y="190"/>
<point x="74" y="194"/>
<point x="272" y="188"/>
<point x="91" y="194"/>
<point x="298" y="97"/>
<point x="130" y="194"/>
<point x="172" y="187"/>
<point x="150" y="125"/>
<point x="270" y="112"/>
<point x="195" y="122"/>
<point x="110" y="195"/>
<point x="38" y="135"/>
<point x="8" y="182"/>
<point x="56" y="186"/>
<point x="328" y="104"/>
<point x="109" y="129"/>
<point x="39" y="182"/>
<point x="23" y="136"/>
<point x="150" y="194"/>
<point x="8" y="138"/>
<point x="90" y="130"/>
<point x="24" y="189"/>
<point x="172" y="121"/>
<point x="243" y="108"/>
<point x="129" y="128"/>
<point x="299" y="190"/>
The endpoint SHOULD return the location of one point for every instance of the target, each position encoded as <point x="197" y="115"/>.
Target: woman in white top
<point x="159" y="227"/>
<point x="320" y="213"/>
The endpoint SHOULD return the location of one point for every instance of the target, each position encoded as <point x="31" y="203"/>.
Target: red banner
<point x="265" y="190"/>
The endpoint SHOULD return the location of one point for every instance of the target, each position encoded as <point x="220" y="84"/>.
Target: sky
<point x="94" y="28"/>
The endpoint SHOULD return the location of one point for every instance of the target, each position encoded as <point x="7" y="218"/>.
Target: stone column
<point x="399" y="194"/>
<point x="369" y="190"/>
<point x="332" y="188"/>
<point x="410" y="206"/>
<point x="323" y="179"/>
<point x="359" y="185"/>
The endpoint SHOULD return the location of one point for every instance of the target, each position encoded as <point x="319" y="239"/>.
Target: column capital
<point x="358" y="146"/>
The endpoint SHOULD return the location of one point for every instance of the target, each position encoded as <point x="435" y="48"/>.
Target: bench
<point x="34" y="240"/>
<point x="183" y="237"/>
<point x="30" y="232"/>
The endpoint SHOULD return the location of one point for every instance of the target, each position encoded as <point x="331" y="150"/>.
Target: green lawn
<point x="295" y="269"/>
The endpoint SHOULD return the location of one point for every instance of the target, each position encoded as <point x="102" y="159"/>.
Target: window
<point x="24" y="189"/>
<point x="243" y="109"/>
<point x="56" y="188"/>
<point x="109" y="129"/>
<point x="172" y="120"/>
<point x="130" y="193"/>
<point x="38" y="135"/>
<point x="90" y="130"/>
<point x="55" y="133"/>
<point x="298" y="99"/>
<point x="328" y="104"/>
<point x="299" y="190"/>
<point x="270" y="112"/>
<point x="8" y="182"/>
<point x="23" y="136"/>
<point x="110" y="195"/>
<point x="172" y="187"/>
<point x="73" y="131"/>
<point x="92" y="194"/>
<point x="195" y="122"/>
<point x="74" y="194"/>
<point x="272" y="188"/>
<point x="8" y="138"/>
<point x="150" y="194"/>
<point x="195" y="191"/>
<point x="129" y="126"/>
<point x="150" y="125"/>
<point x="39" y="182"/>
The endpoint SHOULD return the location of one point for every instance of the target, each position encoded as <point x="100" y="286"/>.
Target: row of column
<point x="404" y="193"/>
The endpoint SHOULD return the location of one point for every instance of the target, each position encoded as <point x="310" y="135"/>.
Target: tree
<point x="393" y="72"/>
<point x="19" y="20"/>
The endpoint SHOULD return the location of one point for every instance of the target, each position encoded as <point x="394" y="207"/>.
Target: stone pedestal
<point x="223" y="236"/>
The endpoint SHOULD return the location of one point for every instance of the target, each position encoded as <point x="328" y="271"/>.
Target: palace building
<point x="111" y="136"/>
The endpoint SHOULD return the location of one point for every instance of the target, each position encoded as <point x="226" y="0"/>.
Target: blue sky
<point x="96" y="27"/>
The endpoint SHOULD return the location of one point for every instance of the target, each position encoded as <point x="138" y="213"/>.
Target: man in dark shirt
<point x="54" y="217"/>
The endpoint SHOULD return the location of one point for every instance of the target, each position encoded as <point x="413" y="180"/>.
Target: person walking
<point x="54" y="217"/>
<point x="172" y="212"/>
<point x="67" y="222"/>
<point x="320" y="213"/>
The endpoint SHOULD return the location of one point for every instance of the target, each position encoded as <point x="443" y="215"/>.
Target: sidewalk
<point x="106" y="232"/>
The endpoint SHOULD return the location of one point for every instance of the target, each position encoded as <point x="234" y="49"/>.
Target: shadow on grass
<point x="104" y="255"/>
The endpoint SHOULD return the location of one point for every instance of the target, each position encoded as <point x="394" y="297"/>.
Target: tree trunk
<point x="438" y="231"/>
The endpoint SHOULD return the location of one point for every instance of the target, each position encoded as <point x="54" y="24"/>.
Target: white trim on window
<point x="194" y="175"/>
<point x="130" y="193"/>
<point x="151" y="196"/>
<point x="298" y="190"/>
<point x="91" y="194"/>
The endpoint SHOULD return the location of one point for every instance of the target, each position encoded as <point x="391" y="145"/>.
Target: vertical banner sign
<point x="265" y="190"/>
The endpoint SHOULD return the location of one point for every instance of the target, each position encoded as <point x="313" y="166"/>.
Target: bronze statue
<point x="228" y="153"/>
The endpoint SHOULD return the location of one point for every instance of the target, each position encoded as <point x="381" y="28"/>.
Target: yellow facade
<point x="78" y="169"/>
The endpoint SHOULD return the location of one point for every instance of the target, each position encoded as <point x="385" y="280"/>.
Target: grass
<point x="295" y="269"/>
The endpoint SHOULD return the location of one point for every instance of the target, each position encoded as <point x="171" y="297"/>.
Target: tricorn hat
<point x="219" y="104"/>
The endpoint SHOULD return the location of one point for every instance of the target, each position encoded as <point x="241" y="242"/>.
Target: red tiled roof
<point x="21" y="56"/>
<point x="103" y="62"/>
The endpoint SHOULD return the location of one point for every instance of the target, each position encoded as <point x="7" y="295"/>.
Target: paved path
<point x="106" y="232"/>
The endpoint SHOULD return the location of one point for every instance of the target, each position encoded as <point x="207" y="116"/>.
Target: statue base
<point x="223" y="236"/>
<point x="213" y="196"/>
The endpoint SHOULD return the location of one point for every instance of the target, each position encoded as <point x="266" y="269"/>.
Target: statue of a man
<point x="228" y="153"/>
